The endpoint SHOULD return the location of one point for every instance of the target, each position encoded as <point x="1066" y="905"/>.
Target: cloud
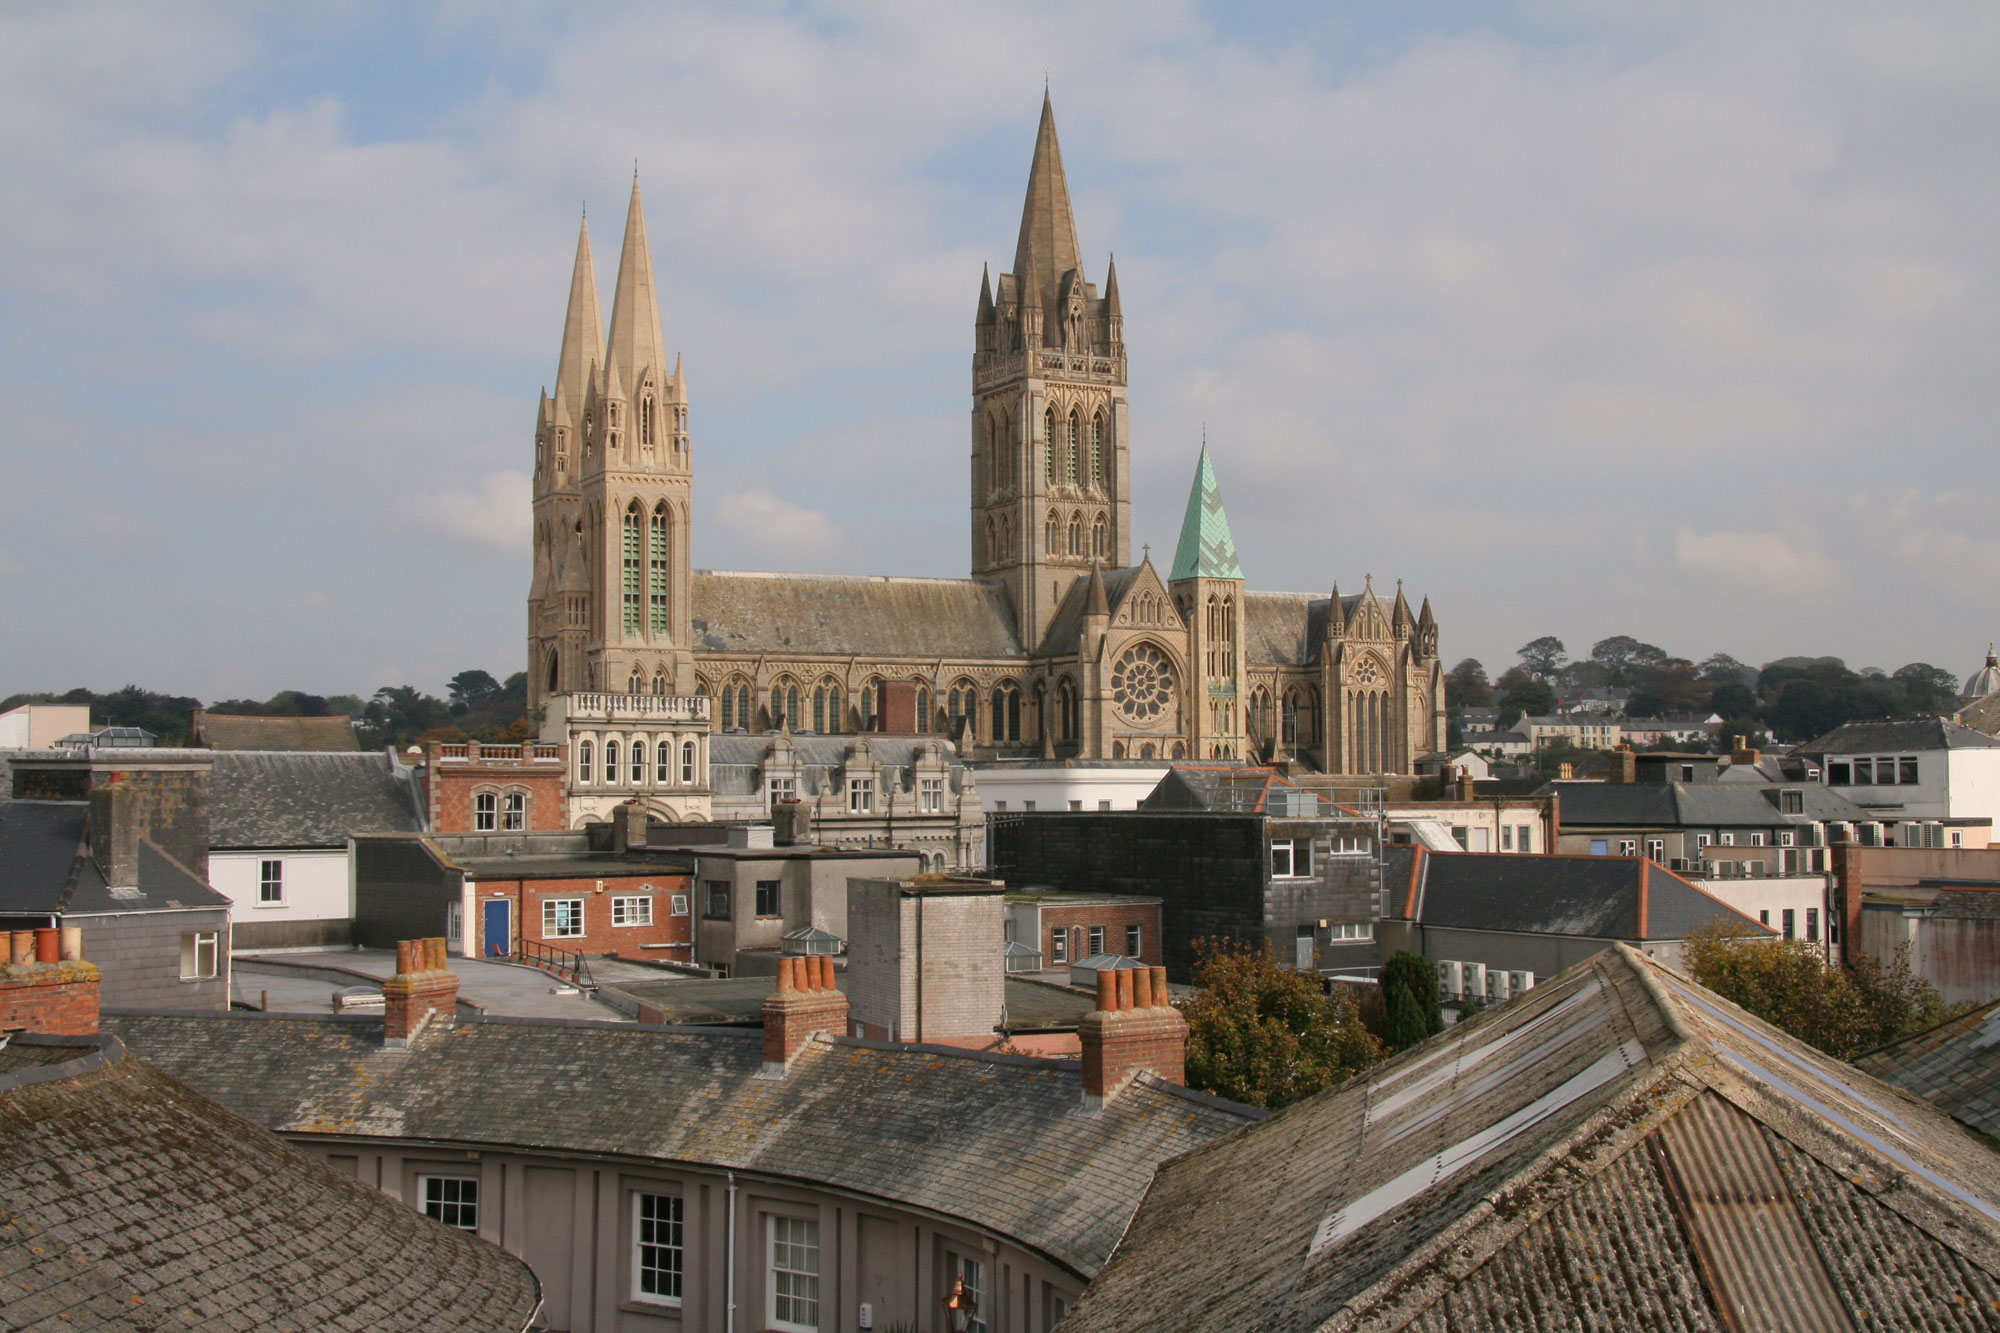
<point x="497" y="513"/>
<point x="1759" y="561"/>
<point x="785" y="533"/>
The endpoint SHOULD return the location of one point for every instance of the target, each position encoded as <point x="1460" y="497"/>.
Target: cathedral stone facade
<point x="1058" y="646"/>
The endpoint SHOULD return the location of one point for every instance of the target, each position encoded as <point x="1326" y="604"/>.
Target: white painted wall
<point x="1974" y="776"/>
<point x="318" y="886"/>
<point x="39" y="726"/>
<point x="1755" y="896"/>
<point x="1002" y="787"/>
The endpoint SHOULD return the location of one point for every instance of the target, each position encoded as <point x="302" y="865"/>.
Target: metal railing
<point x="568" y="964"/>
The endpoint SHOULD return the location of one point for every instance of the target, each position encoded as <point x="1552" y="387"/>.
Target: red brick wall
<point x="1114" y="917"/>
<point x="600" y="936"/>
<point x="56" y="998"/>
<point x="450" y="783"/>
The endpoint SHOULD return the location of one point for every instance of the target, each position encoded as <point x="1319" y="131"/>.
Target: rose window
<point x="1142" y="684"/>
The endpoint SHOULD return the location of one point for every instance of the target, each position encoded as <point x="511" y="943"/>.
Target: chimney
<point x="1742" y="754"/>
<point x="114" y="833"/>
<point x="806" y="1003"/>
<point x="1624" y="768"/>
<point x="1462" y="783"/>
<point x="896" y="707"/>
<point x="791" y="823"/>
<point x="1565" y="770"/>
<point x="422" y="994"/>
<point x="628" y="827"/>
<point x="1134" y="1028"/>
<point x="46" y="986"/>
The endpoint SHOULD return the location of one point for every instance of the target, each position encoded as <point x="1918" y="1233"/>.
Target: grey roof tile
<point x="1593" y="897"/>
<point x="896" y="618"/>
<point x="277" y="799"/>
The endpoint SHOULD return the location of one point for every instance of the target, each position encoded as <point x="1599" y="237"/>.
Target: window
<point x="1104" y="805"/>
<point x="656" y="572"/>
<point x="1656" y="849"/>
<point x="1885" y="772"/>
<point x="485" y="812"/>
<point x="1628" y="846"/>
<point x="1506" y="837"/>
<point x="611" y="761"/>
<point x="1687" y="772"/>
<point x="201" y="952"/>
<point x="1764" y="917"/>
<point x="930" y="796"/>
<point x="514" y="811"/>
<point x="1135" y="937"/>
<point x="1291" y="858"/>
<point x="271" y="882"/>
<point x="638" y="762"/>
<point x="1727" y="839"/>
<point x="687" y="762"/>
<point x="1059" y="945"/>
<point x="1526" y="841"/>
<point x="783" y="789"/>
<point x="452" y="1200"/>
<point x="562" y="918"/>
<point x="1700" y="840"/>
<point x="1600" y="847"/>
<point x="657" y="1256"/>
<point x="972" y="1273"/>
<point x="1350" y="844"/>
<point x="679" y="906"/>
<point x="1812" y="925"/>
<point x="1757" y="840"/>
<point x="1791" y="925"/>
<point x="861" y="796"/>
<point x="767" y="897"/>
<point x="718" y="899"/>
<point x="1785" y="837"/>
<point x="1864" y="772"/>
<point x="1839" y="773"/>
<point x="1792" y="802"/>
<point x="1908" y="766"/>
<point x="1096" y="941"/>
<point x="794" y="1274"/>
<point x="630" y="587"/>
<point x="1351" y="930"/>
<point x="583" y="761"/>
<point x="663" y="759"/>
<point x="1049" y="449"/>
<point x="632" y="911"/>
<point x="1076" y="805"/>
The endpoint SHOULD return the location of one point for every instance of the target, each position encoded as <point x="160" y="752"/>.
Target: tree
<point x="1927" y="689"/>
<point x="1523" y="693"/>
<point x="1731" y="698"/>
<point x="1466" y="686"/>
<point x="1410" y="994"/>
<point x="1624" y="656"/>
<point x="1789" y="984"/>
<point x="1543" y="657"/>
<point x="472" y="687"/>
<point x="1667" y="688"/>
<point x="1265" y="1034"/>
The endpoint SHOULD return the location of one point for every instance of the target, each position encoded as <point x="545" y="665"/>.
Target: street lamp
<point x="959" y="1307"/>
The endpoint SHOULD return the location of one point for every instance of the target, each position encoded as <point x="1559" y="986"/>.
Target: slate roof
<point x="1285" y="628"/>
<point x="1698" y="805"/>
<point x="133" y="1202"/>
<point x="279" y="799"/>
<point x="1228" y="788"/>
<point x="1592" y="897"/>
<point x="734" y="759"/>
<point x="1954" y="1066"/>
<point x="1924" y="733"/>
<point x="780" y="614"/>
<point x="229" y="731"/>
<point x="1617" y="1148"/>
<point x="739" y="1000"/>
<point x="1000" y="1141"/>
<point x="1065" y="633"/>
<point x="45" y="867"/>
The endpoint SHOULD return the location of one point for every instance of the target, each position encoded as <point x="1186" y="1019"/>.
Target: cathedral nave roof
<point x="845" y="615"/>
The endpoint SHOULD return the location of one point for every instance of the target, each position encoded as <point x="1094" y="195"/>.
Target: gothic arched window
<point x="1052" y="534"/>
<point x="662" y="763"/>
<point x="826" y="706"/>
<point x="660" y="684"/>
<point x="1097" y="450"/>
<point x="646" y="421"/>
<point x="1100" y="538"/>
<point x="687" y="762"/>
<point x="637" y="683"/>
<point x="1066" y="719"/>
<point x="631" y="571"/>
<point x="962" y="701"/>
<point x="638" y="762"/>
<point x="1006" y="712"/>
<point x="1049" y="446"/>
<point x="923" y="708"/>
<point x="871" y="689"/>
<point x="1076" y="534"/>
<point x="1071" y="462"/>
<point x="785" y="705"/>
<point x="657" y="570"/>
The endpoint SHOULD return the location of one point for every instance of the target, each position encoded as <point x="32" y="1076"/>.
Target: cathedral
<point x="1058" y="646"/>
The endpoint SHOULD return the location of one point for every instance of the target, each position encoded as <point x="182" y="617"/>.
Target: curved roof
<point x="997" y="1140"/>
<point x="1986" y="680"/>
<point x="134" y="1202"/>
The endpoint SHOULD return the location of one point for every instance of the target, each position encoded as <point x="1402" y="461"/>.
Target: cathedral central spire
<point x="636" y="342"/>
<point x="1047" y="248"/>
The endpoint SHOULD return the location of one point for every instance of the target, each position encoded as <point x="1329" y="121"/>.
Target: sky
<point x="1671" y="320"/>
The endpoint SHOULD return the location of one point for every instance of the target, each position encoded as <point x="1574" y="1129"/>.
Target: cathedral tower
<point x="1051" y="491"/>
<point x="1207" y="584"/>
<point x="608" y="609"/>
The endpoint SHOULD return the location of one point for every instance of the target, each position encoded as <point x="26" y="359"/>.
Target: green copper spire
<point x="1206" y="549"/>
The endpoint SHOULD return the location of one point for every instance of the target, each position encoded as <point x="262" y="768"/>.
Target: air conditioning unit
<point x="1499" y="988"/>
<point x="1475" y="981"/>
<point x="1520" y="981"/>
<point x="1450" y="976"/>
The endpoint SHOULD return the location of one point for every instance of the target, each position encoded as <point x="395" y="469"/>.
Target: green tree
<point x="1927" y="689"/>
<point x="1410" y="994"/>
<point x="1624" y="656"/>
<point x="1466" y="686"/>
<point x="1790" y="985"/>
<point x="471" y="687"/>
<point x="1543" y="657"/>
<point x="1266" y="1035"/>
<point x="1523" y="693"/>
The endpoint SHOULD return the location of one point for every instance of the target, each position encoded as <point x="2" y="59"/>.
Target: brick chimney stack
<point x="1743" y="754"/>
<point x="1134" y="1028"/>
<point x="1624" y="765"/>
<point x="114" y="833"/>
<point x="45" y="984"/>
<point x="422" y="994"/>
<point x="807" y="1002"/>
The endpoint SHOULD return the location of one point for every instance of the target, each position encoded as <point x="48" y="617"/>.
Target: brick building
<point x="472" y="787"/>
<point x="925" y="962"/>
<point x="1067" y="927"/>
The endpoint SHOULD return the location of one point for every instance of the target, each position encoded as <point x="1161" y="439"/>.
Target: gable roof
<point x="1698" y="804"/>
<point x="1065" y="633"/>
<point x="133" y="1202"/>
<point x="305" y="800"/>
<point x="1283" y="628"/>
<point x="1954" y="1066"/>
<point x="46" y="867"/>
<point x="1616" y="1148"/>
<point x="850" y="1114"/>
<point x="1923" y="733"/>
<point x="1591" y="897"/>
<point x="232" y="731"/>
<point x="1206" y="549"/>
<point x="1227" y="788"/>
<point x="896" y="618"/>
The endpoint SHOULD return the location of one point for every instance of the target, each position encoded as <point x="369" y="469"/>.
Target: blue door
<point x="499" y="939"/>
